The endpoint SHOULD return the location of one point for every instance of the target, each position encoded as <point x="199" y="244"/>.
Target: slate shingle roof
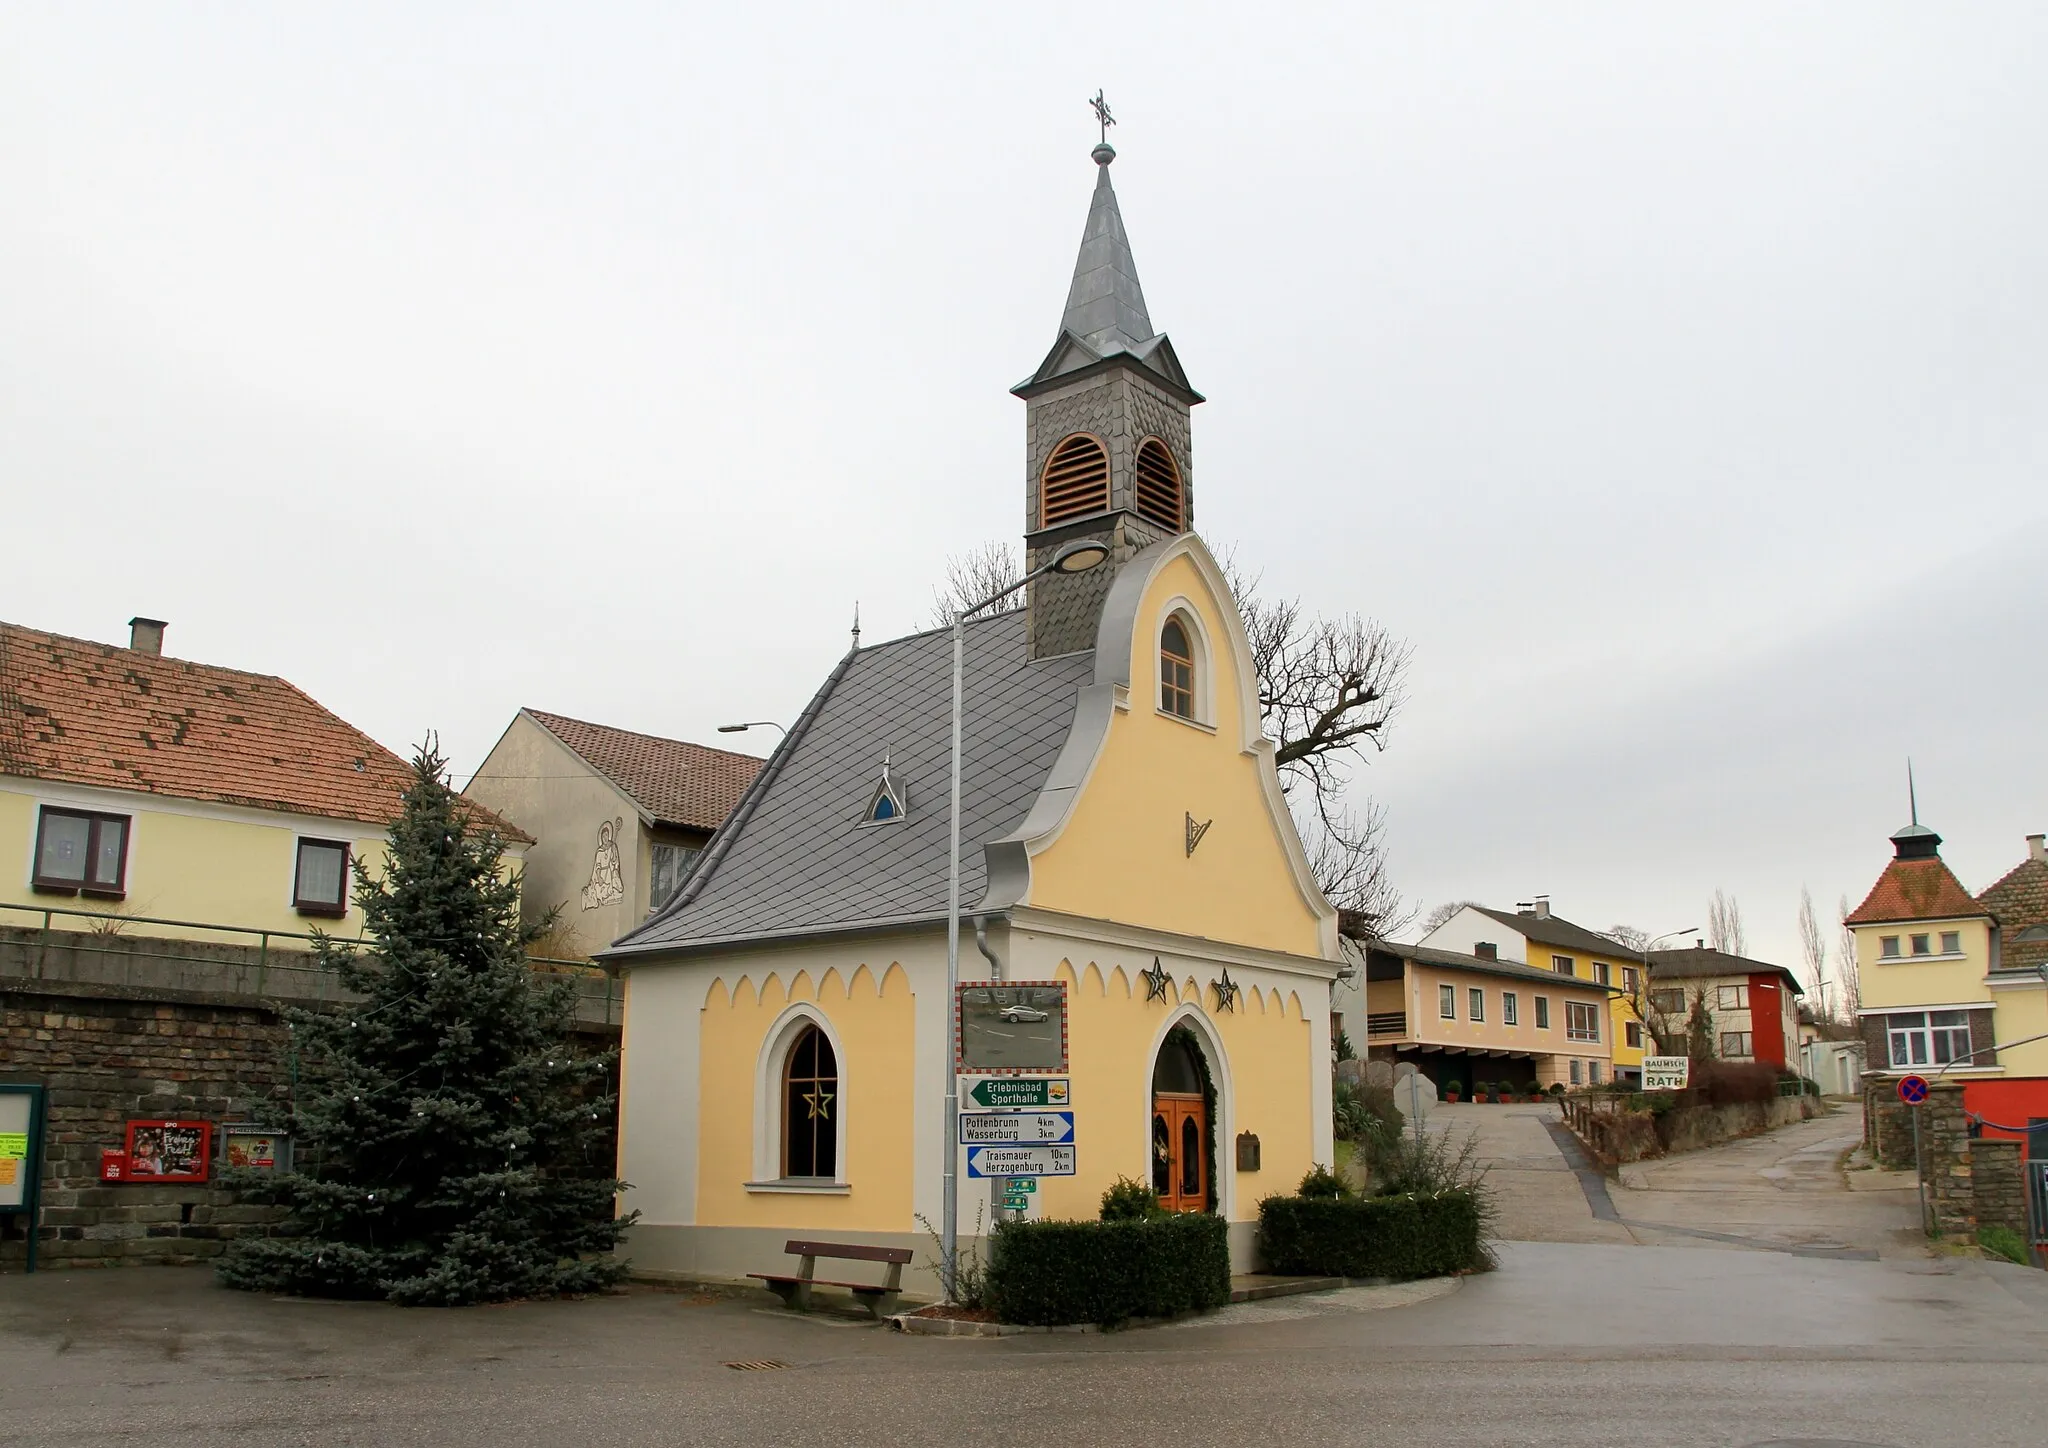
<point x="1915" y="889"/>
<point x="674" y="781"/>
<point x="1479" y="964"/>
<point x="2019" y="902"/>
<point x="795" y="858"/>
<point x="95" y="714"/>
<point x="1700" y="963"/>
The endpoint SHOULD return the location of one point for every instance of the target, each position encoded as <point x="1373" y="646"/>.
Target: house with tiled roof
<point x="617" y="817"/>
<point x="1753" y="1005"/>
<point x="157" y="789"/>
<point x="1955" y="985"/>
<point x="1536" y="936"/>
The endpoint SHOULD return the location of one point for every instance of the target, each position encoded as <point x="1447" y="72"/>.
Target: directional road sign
<point x="1020" y="1091"/>
<point x="1016" y="1128"/>
<point x="1020" y="1161"/>
<point x="1912" y="1089"/>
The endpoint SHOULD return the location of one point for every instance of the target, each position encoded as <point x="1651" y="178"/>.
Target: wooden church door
<point x="1180" y="1130"/>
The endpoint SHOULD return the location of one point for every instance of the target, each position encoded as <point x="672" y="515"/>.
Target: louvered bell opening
<point x="1076" y="481"/>
<point x="1159" y="499"/>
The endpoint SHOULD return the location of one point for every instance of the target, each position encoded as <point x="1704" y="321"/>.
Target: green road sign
<point x="1020" y="1091"/>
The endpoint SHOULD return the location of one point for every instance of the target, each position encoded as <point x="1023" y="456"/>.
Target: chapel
<point x="1142" y="940"/>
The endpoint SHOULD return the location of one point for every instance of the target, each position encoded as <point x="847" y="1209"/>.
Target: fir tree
<point x="1699" y="1028"/>
<point x="452" y="1140"/>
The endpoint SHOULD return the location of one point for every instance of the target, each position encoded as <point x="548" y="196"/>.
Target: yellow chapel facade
<point x="1142" y="933"/>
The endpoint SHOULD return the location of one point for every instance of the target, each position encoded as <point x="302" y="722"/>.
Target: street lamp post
<point x="1074" y="558"/>
<point x="753" y="724"/>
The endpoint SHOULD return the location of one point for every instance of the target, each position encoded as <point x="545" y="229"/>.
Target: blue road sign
<point x="1020" y="1161"/>
<point x="1912" y="1089"/>
<point x="1016" y="1128"/>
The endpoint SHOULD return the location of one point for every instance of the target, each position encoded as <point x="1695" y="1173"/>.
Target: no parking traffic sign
<point x="1912" y="1089"/>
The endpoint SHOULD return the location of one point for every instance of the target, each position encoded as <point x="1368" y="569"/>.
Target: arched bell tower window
<point x="1176" y="670"/>
<point x="810" y="1107"/>
<point x="1076" y="481"/>
<point x="1159" y="490"/>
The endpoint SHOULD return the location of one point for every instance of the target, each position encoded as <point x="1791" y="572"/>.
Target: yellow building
<point x="1534" y="937"/>
<point x="1473" y="1020"/>
<point x="158" y="790"/>
<point x="1145" y="944"/>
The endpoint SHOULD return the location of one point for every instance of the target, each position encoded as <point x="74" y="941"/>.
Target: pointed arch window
<point x="1076" y="481"/>
<point x="810" y="1107"/>
<point x="1176" y="670"/>
<point x="886" y="805"/>
<point x="1160" y="498"/>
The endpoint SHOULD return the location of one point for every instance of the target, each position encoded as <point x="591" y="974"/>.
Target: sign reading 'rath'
<point x="1666" y="1073"/>
<point x="1016" y="1128"/>
<point x="1020" y="1161"/>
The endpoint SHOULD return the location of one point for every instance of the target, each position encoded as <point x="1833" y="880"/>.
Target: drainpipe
<point x="995" y="964"/>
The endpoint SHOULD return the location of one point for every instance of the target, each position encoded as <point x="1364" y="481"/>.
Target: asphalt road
<point x="1569" y="1343"/>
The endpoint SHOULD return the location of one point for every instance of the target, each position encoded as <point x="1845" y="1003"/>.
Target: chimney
<point x="146" y="635"/>
<point x="2037" y="848"/>
<point x="1486" y="950"/>
<point x="1542" y="907"/>
<point x="1697" y="944"/>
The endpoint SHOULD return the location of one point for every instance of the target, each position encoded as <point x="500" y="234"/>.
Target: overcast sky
<point x="1672" y="377"/>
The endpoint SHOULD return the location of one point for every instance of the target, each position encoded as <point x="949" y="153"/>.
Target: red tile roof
<point x="93" y="714"/>
<point x="2020" y="903"/>
<point x="674" y="781"/>
<point x="1919" y="889"/>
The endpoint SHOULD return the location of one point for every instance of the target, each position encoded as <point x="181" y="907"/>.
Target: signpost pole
<point x="1919" y="1166"/>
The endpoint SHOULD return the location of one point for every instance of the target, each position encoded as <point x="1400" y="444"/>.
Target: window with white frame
<point x="1951" y="942"/>
<point x="1888" y="947"/>
<point x="1603" y="972"/>
<point x="1447" y="1002"/>
<point x="1476" y="1003"/>
<point x="1731" y="997"/>
<point x="1628" y="979"/>
<point x="1928" y="1038"/>
<point x="1670" y="1002"/>
<point x="1510" y="1008"/>
<point x="1578" y="1072"/>
<point x="1543" y="1013"/>
<point x="1562" y="964"/>
<point x="1581" y="1021"/>
<point x="1735" y="1045"/>
<point x="1921" y="944"/>
<point x="1593" y="1073"/>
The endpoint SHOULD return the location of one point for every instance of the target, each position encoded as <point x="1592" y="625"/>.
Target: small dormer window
<point x="886" y="804"/>
<point x="1176" y="670"/>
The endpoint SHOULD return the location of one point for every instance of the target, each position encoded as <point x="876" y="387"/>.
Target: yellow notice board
<point x="16" y="1110"/>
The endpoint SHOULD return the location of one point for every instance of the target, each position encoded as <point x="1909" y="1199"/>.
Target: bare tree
<point x="1848" y="975"/>
<point x="973" y="576"/>
<point x="1634" y="939"/>
<point x="1724" y="924"/>
<point x="1327" y="688"/>
<point x="1442" y="913"/>
<point x="1655" y="1009"/>
<point x="1814" y="950"/>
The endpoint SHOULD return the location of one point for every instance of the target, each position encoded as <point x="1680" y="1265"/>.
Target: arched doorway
<point x="1180" y="1125"/>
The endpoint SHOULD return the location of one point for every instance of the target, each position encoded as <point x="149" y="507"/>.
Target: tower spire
<point x="1105" y="304"/>
<point x="1912" y="799"/>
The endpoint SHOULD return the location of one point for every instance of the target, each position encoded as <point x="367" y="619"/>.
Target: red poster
<point x="168" y="1151"/>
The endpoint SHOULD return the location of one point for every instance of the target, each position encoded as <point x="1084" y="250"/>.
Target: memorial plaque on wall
<point x="1017" y="1026"/>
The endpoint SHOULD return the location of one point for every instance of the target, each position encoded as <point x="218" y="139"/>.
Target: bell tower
<point x="1107" y="451"/>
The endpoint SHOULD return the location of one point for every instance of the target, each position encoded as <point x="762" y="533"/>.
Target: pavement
<point x="1794" y="1319"/>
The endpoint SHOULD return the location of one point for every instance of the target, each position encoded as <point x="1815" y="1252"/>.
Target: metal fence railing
<point x="56" y="942"/>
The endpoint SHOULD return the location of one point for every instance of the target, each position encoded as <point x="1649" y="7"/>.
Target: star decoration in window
<point x="820" y="1103"/>
<point x="1155" y="981"/>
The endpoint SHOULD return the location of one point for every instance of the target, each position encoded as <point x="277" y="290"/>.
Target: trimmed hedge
<point x="1399" y="1237"/>
<point x="1043" y="1273"/>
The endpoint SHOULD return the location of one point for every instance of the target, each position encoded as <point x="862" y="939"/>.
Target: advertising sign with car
<point x="1013" y="1027"/>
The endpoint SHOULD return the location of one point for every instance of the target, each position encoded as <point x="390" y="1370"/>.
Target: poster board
<point x="168" y="1151"/>
<point x="1666" y="1073"/>
<point x="248" y="1146"/>
<point x="1012" y="1028"/>
<point x="19" y="1145"/>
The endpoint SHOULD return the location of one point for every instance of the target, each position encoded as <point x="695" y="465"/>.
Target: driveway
<point x="1782" y="1192"/>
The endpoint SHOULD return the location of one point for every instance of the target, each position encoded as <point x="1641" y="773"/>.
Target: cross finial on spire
<point x="1102" y="115"/>
<point x="856" y="623"/>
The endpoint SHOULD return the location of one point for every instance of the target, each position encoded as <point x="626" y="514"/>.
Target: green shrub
<point x="1129" y="1201"/>
<point x="1042" y="1273"/>
<point x="1320" y="1182"/>
<point x="1557" y="1088"/>
<point x="1415" y="1235"/>
<point x="2004" y="1242"/>
<point x="1356" y="1110"/>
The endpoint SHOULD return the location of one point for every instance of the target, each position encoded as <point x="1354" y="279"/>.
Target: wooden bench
<point x="796" y="1291"/>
